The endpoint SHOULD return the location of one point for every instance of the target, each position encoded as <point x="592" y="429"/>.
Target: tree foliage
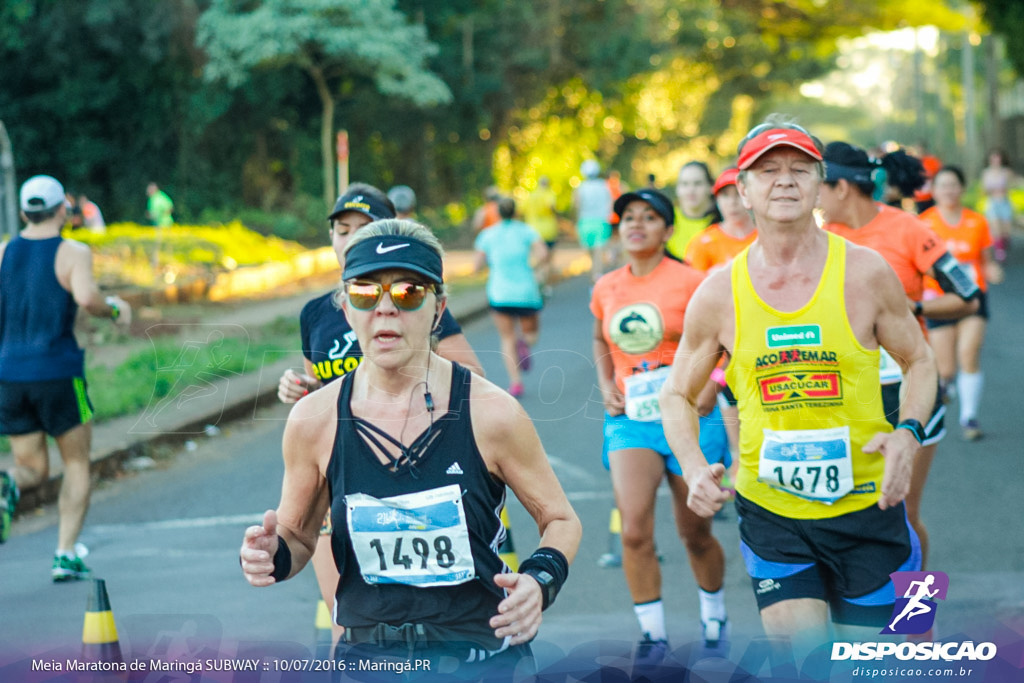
<point x="332" y="41"/>
<point x="1006" y="17"/>
<point x="230" y="105"/>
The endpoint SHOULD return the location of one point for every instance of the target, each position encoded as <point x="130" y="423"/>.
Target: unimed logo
<point x="914" y="613"/>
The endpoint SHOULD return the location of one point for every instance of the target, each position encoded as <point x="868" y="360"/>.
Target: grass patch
<point x="187" y="366"/>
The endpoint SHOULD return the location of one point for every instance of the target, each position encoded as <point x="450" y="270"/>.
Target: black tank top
<point x="429" y="552"/>
<point x="37" y="315"/>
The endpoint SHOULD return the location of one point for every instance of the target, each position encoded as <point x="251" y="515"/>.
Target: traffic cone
<point x="613" y="558"/>
<point x="99" y="633"/>
<point x="324" y="633"/>
<point x="507" y="549"/>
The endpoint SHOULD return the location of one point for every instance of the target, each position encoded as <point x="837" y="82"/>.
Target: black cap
<point x="659" y="202"/>
<point x="388" y="252"/>
<point x="855" y="174"/>
<point x="361" y="202"/>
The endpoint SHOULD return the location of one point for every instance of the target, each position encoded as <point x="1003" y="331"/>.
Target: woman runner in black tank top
<point x="417" y="479"/>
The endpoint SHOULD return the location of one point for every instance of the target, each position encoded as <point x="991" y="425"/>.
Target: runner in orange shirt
<point x="967" y="237"/>
<point x="639" y="310"/>
<point x="913" y="251"/>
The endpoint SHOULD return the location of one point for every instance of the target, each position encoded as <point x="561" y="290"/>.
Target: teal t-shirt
<point x="511" y="281"/>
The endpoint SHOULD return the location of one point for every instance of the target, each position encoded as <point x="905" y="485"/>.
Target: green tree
<point x="1006" y="17"/>
<point x="337" y="43"/>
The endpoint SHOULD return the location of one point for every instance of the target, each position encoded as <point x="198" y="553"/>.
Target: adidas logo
<point x="454" y="469"/>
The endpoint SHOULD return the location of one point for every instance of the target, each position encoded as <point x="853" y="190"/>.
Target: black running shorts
<point x="844" y="561"/>
<point x="52" y="406"/>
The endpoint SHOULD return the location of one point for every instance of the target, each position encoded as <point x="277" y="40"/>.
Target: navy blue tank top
<point x="417" y="543"/>
<point x="37" y="315"/>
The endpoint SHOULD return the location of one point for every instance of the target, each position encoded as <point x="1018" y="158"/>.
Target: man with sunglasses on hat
<point x="412" y="454"/>
<point x="822" y="475"/>
<point x="44" y="279"/>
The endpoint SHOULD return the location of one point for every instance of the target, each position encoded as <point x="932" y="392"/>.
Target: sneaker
<point x="715" y="631"/>
<point x="69" y="569"/>
<point x="516" y="389"/>
<point x="9" y="496"/>
<point x="971" y="430"/>
<point x="523" y="351"/>
<point x="650" y="653"/>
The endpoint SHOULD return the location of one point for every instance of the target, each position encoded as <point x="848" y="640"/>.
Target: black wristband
<point x="918" y="309"/>
<point x="282" y="561"/>
<point x="550" y="569"/>
<point x="914" y="427"/>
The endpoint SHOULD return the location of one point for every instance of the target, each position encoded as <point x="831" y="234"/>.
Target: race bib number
<point x="418" y="539"/>
<point x="888" y="369"/>
<point x="815" y="464"/>
<point x="642" y="394"/>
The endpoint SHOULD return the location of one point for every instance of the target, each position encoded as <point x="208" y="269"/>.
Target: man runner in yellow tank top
<point x="822" y="475"/>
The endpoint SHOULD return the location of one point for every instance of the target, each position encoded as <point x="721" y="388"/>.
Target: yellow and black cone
<point x="99" y="633"/>
<point x="613" y="558"/>
<point x="507" y="550"/>
<point x="324" y="633"/>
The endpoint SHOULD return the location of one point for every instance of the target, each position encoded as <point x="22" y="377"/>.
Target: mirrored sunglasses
<point x="406" y="296"/>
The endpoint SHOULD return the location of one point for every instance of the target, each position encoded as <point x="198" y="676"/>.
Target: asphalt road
<point x="165" y="540"/>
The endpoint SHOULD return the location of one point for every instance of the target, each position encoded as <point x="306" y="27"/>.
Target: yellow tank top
<point x="685" y="229"/>
<point x="809" y="400"/>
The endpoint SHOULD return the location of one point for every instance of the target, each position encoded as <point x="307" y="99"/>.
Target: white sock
<point x="712" y="605"/>
<point x="968" y="387"/>
<point x="651" y="616"/>
<point x="70" y="554"/>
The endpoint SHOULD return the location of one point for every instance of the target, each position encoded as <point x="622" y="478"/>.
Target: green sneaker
<point x="69" y="569"/>
<point x="8" y="502"/>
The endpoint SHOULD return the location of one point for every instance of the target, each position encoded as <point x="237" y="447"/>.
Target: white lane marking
<point x="564" y="467"/>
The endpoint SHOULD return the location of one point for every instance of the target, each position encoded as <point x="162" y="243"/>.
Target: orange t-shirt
<point x="966" y="241"/>
<point x="714" y="247"/>
<point x="642" y="317"/>
<point x="906" y="243"/>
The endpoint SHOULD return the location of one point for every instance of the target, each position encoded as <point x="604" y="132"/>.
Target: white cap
<point x="41" y="193"/>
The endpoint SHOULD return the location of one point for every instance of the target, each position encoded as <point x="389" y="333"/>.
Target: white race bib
<point x="642" y="394"/>
<point x="888" y="369"/>
<point x="815" y="464"/>
<point x="418" y="539"/>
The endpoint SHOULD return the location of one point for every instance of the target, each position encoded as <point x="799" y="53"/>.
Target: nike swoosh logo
<point x="381" y="249"/>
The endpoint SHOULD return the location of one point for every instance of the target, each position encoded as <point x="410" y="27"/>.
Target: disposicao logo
<point x="914" y="613"/>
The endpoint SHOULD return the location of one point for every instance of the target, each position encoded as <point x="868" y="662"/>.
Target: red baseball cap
<point x="776" y="137"/>
<point x="727" y="178"/>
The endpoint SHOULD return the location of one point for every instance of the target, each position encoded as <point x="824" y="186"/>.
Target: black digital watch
<point x="548" y="586"/>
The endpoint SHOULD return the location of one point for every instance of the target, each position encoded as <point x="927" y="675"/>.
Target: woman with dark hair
<point x="897" y="176"/>
<point x="996" y="180"/>
<point x="913" y="252"/>
<point x="958" y="343"/>
<point x="639" y="310"/>
<point x="696" y="206"/>
<point x="412" y="455"/>
<point x="510" y="250"/>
